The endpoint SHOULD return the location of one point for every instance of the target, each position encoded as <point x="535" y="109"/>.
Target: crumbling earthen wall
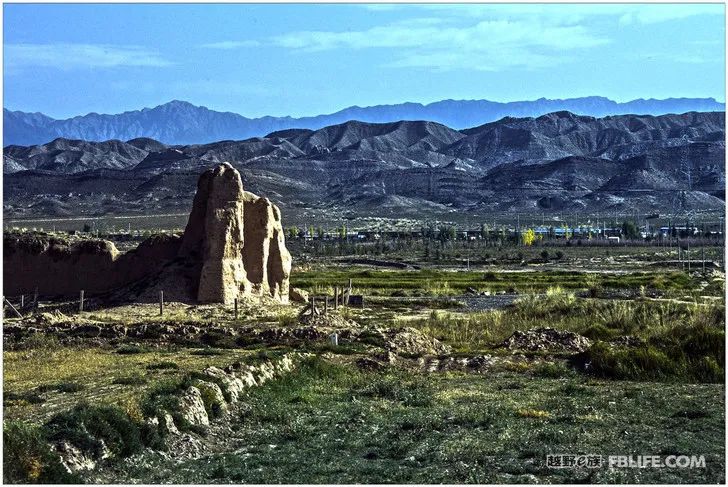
<point x="233" y="246"/>
<point x="59" y="267"/>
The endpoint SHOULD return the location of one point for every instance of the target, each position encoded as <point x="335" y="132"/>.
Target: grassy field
<point x="333" y="424"/>
<point x="48" y="378"/>
<point x="332" y="421"/>
<point x="432" y="282"/>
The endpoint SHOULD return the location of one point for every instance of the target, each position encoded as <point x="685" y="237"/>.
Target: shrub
<point x="599" y="332"/>
<point x="707" y="369"/>
<point x="85" y="426"/>
<point x="637" y="363"/>
<point x="163" y="397"/>
<point x="29" y="397"/>
<point x="28" y="459"/>
<point x="552" y="370"/>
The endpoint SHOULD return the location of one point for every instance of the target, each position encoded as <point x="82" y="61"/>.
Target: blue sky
<point x="65" y="60"/>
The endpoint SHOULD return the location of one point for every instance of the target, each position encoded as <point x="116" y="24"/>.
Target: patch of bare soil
<point x="547" y="340"/>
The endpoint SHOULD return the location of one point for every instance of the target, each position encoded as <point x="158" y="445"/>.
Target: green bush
<point x="29" y="397"/>
<point x="707" y="369"/>
<point x="599" y="332"/>
<point x="637" y="363"/>
<point x="163" y="397"/>
<point x="28" y="459"/>
<point x="85" y="426"/>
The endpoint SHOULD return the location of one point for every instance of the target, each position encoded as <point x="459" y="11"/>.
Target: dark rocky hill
<point x="71" y="156"/>
<point x="555" y="162"/>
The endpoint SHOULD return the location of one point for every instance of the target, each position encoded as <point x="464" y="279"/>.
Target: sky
<point x="286" y="59"/>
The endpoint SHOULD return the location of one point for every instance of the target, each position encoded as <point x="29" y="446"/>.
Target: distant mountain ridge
<point x="180" y="122"/>
<point x="556" y="162"/>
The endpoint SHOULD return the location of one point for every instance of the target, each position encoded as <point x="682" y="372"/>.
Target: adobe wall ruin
<point x="233" y="247"/>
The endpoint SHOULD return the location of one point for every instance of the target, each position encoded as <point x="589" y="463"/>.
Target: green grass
<point x="330" y="423"/>
<point x="683" y="330"/>
<point x="28" y="459"/>
<point x="86" y="426"/>
<point x="39" y="382"/>
<point x="694" y="352"/>
<point x="94" y="430"/>
<point x="441" y="282"/>
<point x="166" y="365"/>
<point x="62" y="387"/>
<point x="134" y="380"/>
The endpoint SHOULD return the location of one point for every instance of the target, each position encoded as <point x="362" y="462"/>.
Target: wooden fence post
<point x="236" y="309"/>
<point x="22" y="301"/>
<point x="80" y="302"/>
<point x="161" y="303"/>
<point x="17" y="313"/>
<point x="336" y="296"/>
<point x="326" y="305"/>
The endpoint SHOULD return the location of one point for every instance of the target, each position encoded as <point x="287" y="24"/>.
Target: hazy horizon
<point x="344" y="108"/>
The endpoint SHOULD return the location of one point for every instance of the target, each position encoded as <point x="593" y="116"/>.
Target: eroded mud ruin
<point x="233" y="247"/>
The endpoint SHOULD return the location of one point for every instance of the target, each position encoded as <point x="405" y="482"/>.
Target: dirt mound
<point x="547" y="340"/>
<point x="50" y="318"/>
<point x="404" y="341"/>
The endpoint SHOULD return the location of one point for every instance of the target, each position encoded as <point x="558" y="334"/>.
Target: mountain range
<point x="558" y="162"/>
<point x="180" y="122"/>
